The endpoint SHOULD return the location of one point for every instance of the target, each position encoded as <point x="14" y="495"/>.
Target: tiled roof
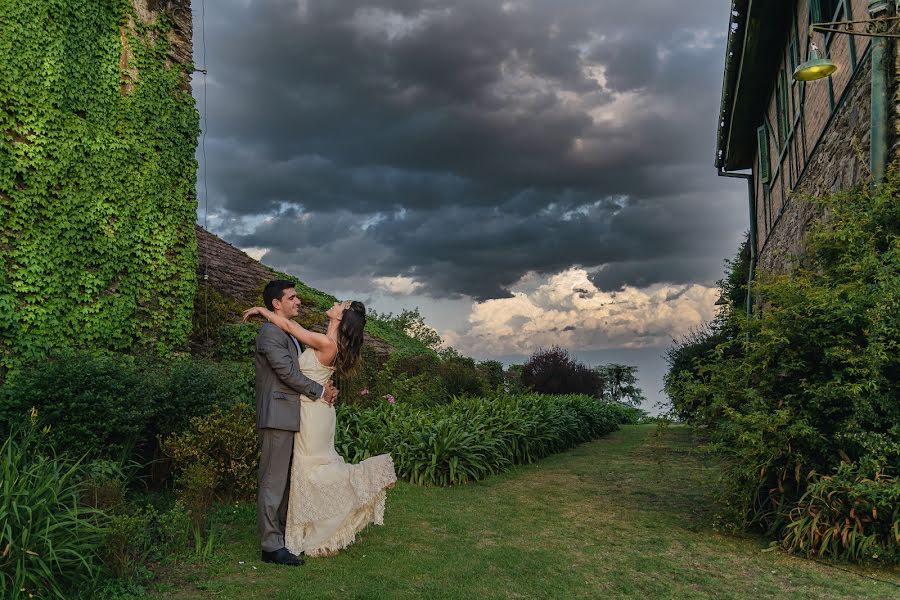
<point x="234" y="274"/>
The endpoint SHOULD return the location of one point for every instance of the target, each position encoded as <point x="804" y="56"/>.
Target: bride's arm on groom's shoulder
<point x="316" y="341"/>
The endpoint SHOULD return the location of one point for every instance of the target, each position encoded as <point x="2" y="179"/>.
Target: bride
<point x="330" y="500"/>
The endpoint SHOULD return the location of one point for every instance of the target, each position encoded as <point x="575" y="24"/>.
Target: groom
<point x="279" y="384"/>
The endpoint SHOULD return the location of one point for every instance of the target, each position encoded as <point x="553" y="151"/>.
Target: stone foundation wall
<point x="839" y="162"/>
<point x="895" y="152"/>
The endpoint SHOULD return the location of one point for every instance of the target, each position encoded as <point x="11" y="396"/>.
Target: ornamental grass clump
<point x="50" y="543"/>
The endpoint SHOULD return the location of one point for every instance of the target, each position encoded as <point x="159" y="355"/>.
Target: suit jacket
<point x="279" y="381"/>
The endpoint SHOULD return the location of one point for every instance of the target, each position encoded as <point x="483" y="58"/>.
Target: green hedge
<point x="114" y="407"/>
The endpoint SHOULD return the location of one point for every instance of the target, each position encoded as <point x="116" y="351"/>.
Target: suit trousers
<point x="276" y="451"/>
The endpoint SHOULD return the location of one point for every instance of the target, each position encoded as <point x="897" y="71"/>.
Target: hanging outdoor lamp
<point x="881" y="25"/>
<point x="815" y="67"/>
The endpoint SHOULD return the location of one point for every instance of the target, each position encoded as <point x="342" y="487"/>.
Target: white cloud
<point x="400" y="285"/>
<point x="393" y="25"/>
<point x="568" y="310"/>
<point x="255" y="252"/>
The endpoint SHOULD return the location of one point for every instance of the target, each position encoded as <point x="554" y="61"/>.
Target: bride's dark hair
<point x="350" y="339"/>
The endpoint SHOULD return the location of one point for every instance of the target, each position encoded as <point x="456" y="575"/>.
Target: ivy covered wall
<point x="98" y="130"/>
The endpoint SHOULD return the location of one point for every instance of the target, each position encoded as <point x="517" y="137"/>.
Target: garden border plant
<point x="465" y="440"/>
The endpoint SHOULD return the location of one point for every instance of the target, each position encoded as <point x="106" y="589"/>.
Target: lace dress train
<point x="330" y="500"/>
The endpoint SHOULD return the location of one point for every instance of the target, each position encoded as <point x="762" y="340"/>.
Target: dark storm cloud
<point x="466" y="143"/>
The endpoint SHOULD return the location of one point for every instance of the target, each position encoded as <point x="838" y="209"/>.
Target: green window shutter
<point x="823" y="11"/>
<point x="779" y="110"/>
<point x="815" y="11"/>
<point x="762" y="141"/>
<point x="794" y="49"/>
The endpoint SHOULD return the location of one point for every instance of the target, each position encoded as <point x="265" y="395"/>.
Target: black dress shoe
<point x="282" y="557"/>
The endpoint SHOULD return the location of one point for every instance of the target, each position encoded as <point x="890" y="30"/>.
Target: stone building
<point x="800" y="137"/>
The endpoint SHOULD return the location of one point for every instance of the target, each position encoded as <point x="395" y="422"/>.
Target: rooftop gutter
<point x="736" y="33"/>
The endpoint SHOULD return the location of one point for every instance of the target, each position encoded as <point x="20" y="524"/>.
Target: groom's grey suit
<point x="279" y="384"/>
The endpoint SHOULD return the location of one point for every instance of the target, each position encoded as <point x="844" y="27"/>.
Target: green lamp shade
<point x="814" y="68"/>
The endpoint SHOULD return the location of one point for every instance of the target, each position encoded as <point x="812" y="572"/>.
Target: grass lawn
<point x="627" y="516"/>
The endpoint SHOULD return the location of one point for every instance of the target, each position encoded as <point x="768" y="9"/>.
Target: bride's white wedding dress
<point x="330" y="500"/>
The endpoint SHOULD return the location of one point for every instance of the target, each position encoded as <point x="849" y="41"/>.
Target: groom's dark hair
<point x="274" y="290"/>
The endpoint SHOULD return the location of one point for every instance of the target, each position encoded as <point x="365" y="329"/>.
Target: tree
<point x="512" y="378"/>
<point x="412" y="323"/>
<point x="552" y="371"/>
<point x="460" y="374"/>
<point x="619" y="384"/>
<point x="492" y="372"/>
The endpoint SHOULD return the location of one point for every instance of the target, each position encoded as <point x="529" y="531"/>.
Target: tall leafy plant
<point x="50" y="544"/>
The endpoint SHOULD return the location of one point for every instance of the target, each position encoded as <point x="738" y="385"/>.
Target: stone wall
<point x="178" y="13"/>
<point x="895" y="153"/>
<point x="840" y="161"/>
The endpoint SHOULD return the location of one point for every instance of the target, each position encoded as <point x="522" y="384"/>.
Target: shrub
<point x="802" y="401"/>
<point x="91" y="402"/>
<point x="512" y="380"/>
<point x="224" y="445"/>
<point x="50" y="545"/>
<point x="361" y="387"/>
<point x="448" y="444"/>
<point x="139" y="534"/>
<point x="115" y="407"/>
<point x="197" y="490"/>
<point x="191" y="387"/>
<point x="686" y="361"/>
<point x="687" y="358"/>
<point x="491" y="372"/>
<point x="851" y="514"/>
<point x="103" y="484"/>
<point x="460" y="376"/>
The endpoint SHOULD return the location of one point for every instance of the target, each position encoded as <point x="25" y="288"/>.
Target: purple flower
<point x="363" y="392"/>
<point x="390" y="399"/>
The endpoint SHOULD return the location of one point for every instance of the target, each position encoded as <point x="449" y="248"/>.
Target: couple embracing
<point x="310" y="501"/>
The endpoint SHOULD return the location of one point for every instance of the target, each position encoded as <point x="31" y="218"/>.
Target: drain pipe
<point x="881" y="78"/>
<point x="751" y="195"/>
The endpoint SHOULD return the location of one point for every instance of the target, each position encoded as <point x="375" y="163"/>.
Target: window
<point x="823" y="11"/>
<point x="782" y="109"/>
<point x="762" y="141"/>
<point x="794" y="48"/>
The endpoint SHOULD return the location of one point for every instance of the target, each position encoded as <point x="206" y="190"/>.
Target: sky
<point x="526" y="173"/>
